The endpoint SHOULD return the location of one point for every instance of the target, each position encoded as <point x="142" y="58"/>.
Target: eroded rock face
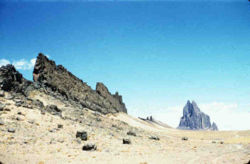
<point x="56" y="77"/>
<point x="12" y="80"/>
<point x="115" y="100"/>
<point x="194" y="119"/>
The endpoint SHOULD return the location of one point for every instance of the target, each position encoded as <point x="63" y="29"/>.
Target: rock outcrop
<point x="58" y="79"/>
<point x="194" y="119"/>
<point x="12" y="81"/>
<point x="150" y="119"/>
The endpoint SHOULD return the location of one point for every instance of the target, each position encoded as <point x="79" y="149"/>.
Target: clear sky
<point x="156" y="54"/>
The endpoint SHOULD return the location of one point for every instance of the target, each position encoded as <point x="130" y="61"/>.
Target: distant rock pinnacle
<point x="194" y="119"/>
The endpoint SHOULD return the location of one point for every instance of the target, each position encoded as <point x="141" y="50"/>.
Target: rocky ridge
<point x="194" y="119"/>
<point x="57" y="81"/>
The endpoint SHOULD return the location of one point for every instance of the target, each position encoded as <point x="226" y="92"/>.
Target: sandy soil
<point x="37" y="139"/>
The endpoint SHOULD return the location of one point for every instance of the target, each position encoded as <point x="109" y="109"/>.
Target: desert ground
<point x="28" y="135"/>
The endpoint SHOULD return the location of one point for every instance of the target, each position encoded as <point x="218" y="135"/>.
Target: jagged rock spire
<point x="194" y="119"/>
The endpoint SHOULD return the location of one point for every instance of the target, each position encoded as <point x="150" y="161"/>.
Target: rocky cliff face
<point x="194" y="119"/>
<point x="58" y="79"/>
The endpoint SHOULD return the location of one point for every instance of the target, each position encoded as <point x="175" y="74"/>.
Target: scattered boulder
<point x="19" y="119"/>
<point x="131" y="133"/>
<point x="221" y="142"/>
<point x="89" y="147"/>
<point x="83" y="135"/>
<point x="213" y="142"/>
<point x="11" y="130"/>
<point x="184" y="138"/>
<point x="154" y="138"/>
<point x="126" y="141"/>
<point x="59" y="126"/>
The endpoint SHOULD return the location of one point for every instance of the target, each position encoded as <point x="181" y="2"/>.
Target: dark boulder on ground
<point x="194" y="119"/>
<point x="57" y="79"/>
<point x="83" y="135"/>
<point x="126" y="141"/>
<point x="184" y="138"/>
<point x="89" y="147"/>
<point x="11" y="130"/>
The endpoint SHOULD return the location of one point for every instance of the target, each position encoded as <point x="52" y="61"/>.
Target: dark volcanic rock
<point x="83" y="135"/>
<point x="115" y="100"/>
<point x="126" y="141"/>
<point x="12" y="80"/>
<point x="58" y="79"/>
<point x="88" y="147"/>
<point x="194" y="119"/>
<point x="184" y="138"/>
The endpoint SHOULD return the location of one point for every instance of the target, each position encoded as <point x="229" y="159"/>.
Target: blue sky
<point x="156" y="54"/>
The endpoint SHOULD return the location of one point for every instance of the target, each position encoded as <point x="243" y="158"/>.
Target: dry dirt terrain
<point x="29" y="135"/>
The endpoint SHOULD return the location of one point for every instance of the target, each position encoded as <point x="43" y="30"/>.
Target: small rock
<point x="52" y="130"/>
<point x="154" y="138"/>
<point x="126" y="141"/>
<point x="19" y="119"/>
<point x="221" y="142"/>
<point x="88" y="147"/>
<point x="20" y="113"/>
<point x="130" y="133"/>
<point x="7" y="109"/>
<point x="11" y="130"/>
<point x="82" y="135"/>
<point x="59" y="126"/>
<point x="184" y="138"/>
<point x="213" y="142"/>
